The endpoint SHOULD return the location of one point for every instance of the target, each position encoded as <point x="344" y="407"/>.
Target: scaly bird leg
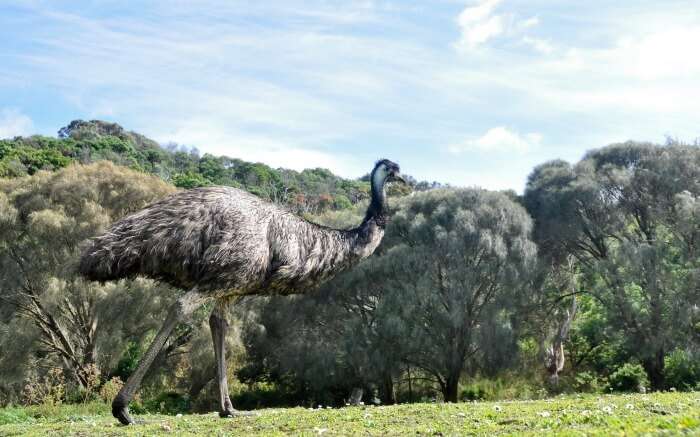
<point x="179" y="312"/>
<point x="219" y="327"/>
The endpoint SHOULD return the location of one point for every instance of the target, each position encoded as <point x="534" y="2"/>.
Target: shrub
<point x="110" y="389"/>
<point x="508" y="388"/>
<point x="91" y="375"/>
<point x="473" y="392"/>
<point x="168" y="403"/>
<point x="682" y="370"/>
<point x="629" y="377"/>
<point x="49" y="390"/>
<point x="190" y="180"/>
<point x="585" y="382"/>
<point x="11" y="414"/>
<point x="129" y="361"/>
<point x="264" y="395"/>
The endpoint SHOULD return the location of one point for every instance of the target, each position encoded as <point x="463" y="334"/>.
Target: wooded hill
<point x="310" y="191"/>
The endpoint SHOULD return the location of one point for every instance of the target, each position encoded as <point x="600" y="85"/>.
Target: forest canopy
<point x="310" y="191"/>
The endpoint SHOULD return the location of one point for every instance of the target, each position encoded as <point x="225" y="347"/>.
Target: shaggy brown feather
<point x="230" y="242"/>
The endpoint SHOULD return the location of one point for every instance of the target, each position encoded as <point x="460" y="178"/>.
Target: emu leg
<point x="178" y="312"/>
<point x="219" y="326"/>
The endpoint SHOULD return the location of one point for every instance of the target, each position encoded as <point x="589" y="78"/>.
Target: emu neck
<point x="377" y="207"/>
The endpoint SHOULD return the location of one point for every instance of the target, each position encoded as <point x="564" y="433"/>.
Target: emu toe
<point x="231" y="412"/>
<point x="121" y="412"/>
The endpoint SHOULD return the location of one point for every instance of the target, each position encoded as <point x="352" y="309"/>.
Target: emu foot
<point x="121" y="412"/>
<point x="231" y="412"/>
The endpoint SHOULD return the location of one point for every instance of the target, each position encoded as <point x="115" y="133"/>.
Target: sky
<point x="470" y="93"/>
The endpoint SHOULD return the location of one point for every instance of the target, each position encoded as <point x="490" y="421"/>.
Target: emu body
<point x="225" y="241"/>
<point x="219" y="242"/>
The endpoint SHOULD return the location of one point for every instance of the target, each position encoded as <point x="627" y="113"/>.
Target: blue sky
<point x="464" y="92"/>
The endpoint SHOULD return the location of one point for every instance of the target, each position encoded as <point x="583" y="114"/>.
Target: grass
<point x="650" y="414"/>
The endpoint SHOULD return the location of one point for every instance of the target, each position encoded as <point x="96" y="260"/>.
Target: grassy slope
<point x="658" y="413"/>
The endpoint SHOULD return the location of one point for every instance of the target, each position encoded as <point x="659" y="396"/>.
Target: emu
<point x="222" y="242"/>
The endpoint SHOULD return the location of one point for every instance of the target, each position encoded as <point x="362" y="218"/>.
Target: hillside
<point x="309" y="191"/>
<point x="667" y="413"/>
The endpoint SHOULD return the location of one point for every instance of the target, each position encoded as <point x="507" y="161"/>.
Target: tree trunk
<point x="386" y="391"/>
<point x="451" y="388"/>
<point x="654" y="367"/>
<point x="554" y="379"/>
<point x="356" y="396"/>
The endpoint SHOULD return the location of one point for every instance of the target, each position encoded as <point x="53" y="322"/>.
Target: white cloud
<point x="478" y="24"/>
<point x="540" y="45"/>
<point x="530" y="22"/>
<point x="668" y="53"/>
<point x="13" y="123"/>
<point x="646" y="74"/>
<point x="225" y="140"/>
<point x="499" y="140"/>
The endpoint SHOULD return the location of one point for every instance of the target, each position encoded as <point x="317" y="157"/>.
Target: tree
<point x="457" y="255"/>
<point x="190" y="180"/>
<point x="43" y="220"/>
<point x="627" y="212"/>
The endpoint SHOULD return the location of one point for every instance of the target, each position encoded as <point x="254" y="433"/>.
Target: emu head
<point x="385" y="171"/>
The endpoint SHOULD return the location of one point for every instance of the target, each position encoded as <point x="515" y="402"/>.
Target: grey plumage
<point x="220" y="242"/>
<point x="223" y="239"/>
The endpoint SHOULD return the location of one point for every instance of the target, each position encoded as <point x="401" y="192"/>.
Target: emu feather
<point x="227" y="241"/>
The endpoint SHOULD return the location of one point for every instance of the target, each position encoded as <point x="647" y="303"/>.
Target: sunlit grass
<point x="638" y="414"/>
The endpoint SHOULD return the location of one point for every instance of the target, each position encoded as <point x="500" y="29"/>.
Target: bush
<point x="585" y="382"/>
<point x="11" y="415"/>
<point x="263" y="395"/>
<point x="628" y="378"/>
<point x="129" y="361"/>
<point x="473" y="392"/>
<point x="168" y="403"/>
<point x="49" y="390"/>
<point x="682" y="370"/>
<point x="506" y="388"/>
<point x="190" y="180"/>
<point x="110" y="389"/>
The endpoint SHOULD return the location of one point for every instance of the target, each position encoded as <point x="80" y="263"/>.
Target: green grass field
<point x="652" y="414"/>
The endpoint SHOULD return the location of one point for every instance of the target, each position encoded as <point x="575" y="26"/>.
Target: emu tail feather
<point x="103" y="260"/>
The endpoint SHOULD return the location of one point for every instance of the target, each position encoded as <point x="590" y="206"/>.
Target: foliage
<point x="109" y="389"/>
<point x="262" y="395"/>
<point x="586" y="382"/>
<point x="629" y="215"/>
<point x="628" y="378"/>
<point x="460" y="300"/>
<point x="190" y="180"/>
<point x="457" y="254"/>
<point x="92" y="377"/>
<point x="47" y="390"/>
<point x="167" y="403"/>
<point x="308" y="191"/>
<point x="508" y="387"/>
<point x="682" y="370"/>
<point x="44" y="219"/>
